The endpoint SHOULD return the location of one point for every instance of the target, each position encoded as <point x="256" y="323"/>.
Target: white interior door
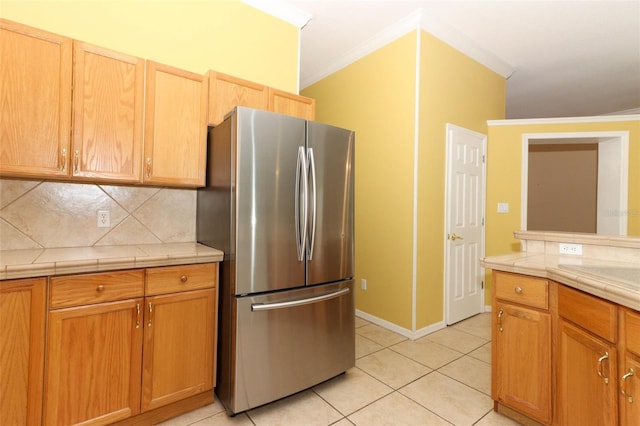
<point x="465" y="195"/>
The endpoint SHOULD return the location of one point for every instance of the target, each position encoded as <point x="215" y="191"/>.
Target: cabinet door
<point x="175" y="141"/>
<point x="108" y="92"/>
<point x="178" y="347"/>
<point x="227" y="92"/>
<point x="290" y="104"/>
<point x="94" y="358"/>
<point x="22" y="319"/>
<point x="587" y="378"/>
<point x="521" y="375"/>
<point x="35" y="89"/>
<point x="630" y="390"/>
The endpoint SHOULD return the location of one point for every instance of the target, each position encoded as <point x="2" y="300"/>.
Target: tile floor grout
<point x="393" y="383"/>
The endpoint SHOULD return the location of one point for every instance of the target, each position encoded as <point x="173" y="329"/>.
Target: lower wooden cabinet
<point x="561" y="356"/>
<point x="94" y="356"/>
<point x="179" y="332"/>
<point x="521" y="376"/>
<point x="587" y="378"/>
<point x="22" y="340"/>
<point x="109" y="359"/>
<point x="629" y="371"/>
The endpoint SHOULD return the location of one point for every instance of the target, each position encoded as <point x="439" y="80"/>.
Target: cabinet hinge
<point x="482" y="284"/>
<point x="483" y="221"/>
<point x="483" y="159"/>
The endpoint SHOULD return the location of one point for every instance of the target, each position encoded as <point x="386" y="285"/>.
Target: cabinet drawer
<point x="522" y="289"/>
<point x="589" y="312"/>
<point x="171" y="279"/>
<point x="85" y="289"/>
<point x="632" y="331"/>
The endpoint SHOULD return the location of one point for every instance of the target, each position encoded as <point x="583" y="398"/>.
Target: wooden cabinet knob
<point x="100" y="288"/>
<point x="183" y="279"/>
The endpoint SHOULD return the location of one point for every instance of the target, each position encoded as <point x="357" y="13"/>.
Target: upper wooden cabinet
<point x="35" y="91"/>
<point x="108" y="100"/>
<point x="227" y="92"/>
<point x="288" y="103"/>
<point x="175" y="141"/>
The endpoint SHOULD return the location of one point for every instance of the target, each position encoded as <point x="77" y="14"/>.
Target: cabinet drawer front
<point x="595" y="315"/>
<point x="522" y="289"/>
<point x="75" y="290"/>
<point x="172" y="279"/>
<point x="632" y="331"/>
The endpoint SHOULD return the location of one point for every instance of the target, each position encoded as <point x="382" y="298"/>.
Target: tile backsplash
<point x="42" y="214"/>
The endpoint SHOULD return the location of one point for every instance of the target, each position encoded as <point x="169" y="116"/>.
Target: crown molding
<point x="565" y="120"/>
<point x="280" y="10"/>
<point x="415" y="20"/>
<point x="381" y="39"/>
<point x="466" y="45"/>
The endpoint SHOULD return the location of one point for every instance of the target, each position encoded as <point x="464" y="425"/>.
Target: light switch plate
<point x="503" y="207"/>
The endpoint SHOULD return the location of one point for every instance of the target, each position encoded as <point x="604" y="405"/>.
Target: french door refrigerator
<point x="279" y="203"/>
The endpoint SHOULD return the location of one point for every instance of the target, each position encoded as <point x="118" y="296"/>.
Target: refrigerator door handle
<point x="312" y="203"/>
<point x="301" y="203"/>
<point x="293" y="303"/>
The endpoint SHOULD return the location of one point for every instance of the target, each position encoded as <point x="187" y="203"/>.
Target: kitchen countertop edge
<point x="33" y="263"/>
<point x="548" y="266"/>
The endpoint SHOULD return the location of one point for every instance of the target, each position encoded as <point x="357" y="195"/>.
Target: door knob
<point x="455" y="237"/>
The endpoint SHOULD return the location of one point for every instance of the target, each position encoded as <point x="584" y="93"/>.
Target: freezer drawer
<point x="290" y="341"/>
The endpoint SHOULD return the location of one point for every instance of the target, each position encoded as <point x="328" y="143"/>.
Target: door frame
<point x="448" y="167"/>
<point x="613" y="147"/>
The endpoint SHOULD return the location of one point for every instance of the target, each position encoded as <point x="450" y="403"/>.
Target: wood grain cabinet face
<point x="22" y="340"/>
<point x="290" y="104"/>
<point x="226" y="92"/>
<point x="629" y="372"/>
<point x="113" y="354"/>
<point x="587" y="381"/>
<point x="93" y="363"/>
<point x="35" y="92"/>
<point x="175" y="141"/>
<point x="178" y="333"/>
<point x="587" y="365"/>
<point x="94" y="349"/>
<point x="521" y="376"/>
<point x="108" y="100"/>
<point x="521" y="372"/>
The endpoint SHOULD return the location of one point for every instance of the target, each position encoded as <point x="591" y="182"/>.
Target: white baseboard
<point x="409" y="334"/>
<point x="487" y="308"/>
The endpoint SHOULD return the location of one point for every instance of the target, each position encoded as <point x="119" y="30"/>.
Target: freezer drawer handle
<point x="293" y="303"/>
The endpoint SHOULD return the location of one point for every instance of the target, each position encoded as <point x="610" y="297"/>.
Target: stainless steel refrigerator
<point x="279" y="203"/>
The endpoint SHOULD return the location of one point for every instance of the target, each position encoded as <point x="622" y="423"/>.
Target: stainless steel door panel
<point x="332" y="149"/>
<point x="281" y="350"/>
<point x="266" y="153"/>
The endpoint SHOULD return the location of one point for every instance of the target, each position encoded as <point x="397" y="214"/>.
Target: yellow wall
<point x="226" y="36"/>
<point x="504" y="172"/>
<point x="458" y="90"/>
<point x="375" y="97"/>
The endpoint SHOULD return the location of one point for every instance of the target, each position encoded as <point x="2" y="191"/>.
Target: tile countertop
<point x="74" y="260"/>
<point x="614" y="280"/>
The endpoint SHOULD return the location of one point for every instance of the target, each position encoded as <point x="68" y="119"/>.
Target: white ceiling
<point x="561" y="58"/>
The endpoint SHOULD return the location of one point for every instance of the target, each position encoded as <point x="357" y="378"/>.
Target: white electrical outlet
<point x="104" y="219"/>
<point x="566" y="248"/>
<point x="503" y="207"/>
<point x="363" y="284"/>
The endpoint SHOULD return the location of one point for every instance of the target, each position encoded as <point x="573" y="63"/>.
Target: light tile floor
<point x="440" y="379"/>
